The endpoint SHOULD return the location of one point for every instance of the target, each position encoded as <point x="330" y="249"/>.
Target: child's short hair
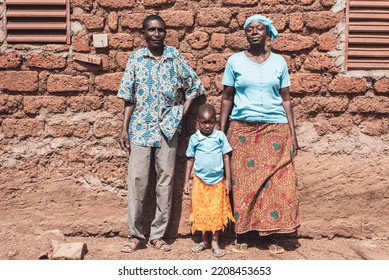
<point x="206" y="108"/>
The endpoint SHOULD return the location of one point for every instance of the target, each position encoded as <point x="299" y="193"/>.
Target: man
<point x="158" y="86"/>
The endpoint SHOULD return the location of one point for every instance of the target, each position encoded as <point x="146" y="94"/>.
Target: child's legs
<point x="138" y="180"/>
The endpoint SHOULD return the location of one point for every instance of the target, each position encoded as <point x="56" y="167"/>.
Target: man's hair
<point x="150" y="18"/>
<point x="206" y="108"/>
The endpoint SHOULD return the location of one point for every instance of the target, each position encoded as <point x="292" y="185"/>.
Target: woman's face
<point x="256" y="33"/>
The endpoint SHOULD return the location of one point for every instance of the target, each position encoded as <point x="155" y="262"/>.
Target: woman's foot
<point x="240" y="247"/>
<point x="276" y="249"/>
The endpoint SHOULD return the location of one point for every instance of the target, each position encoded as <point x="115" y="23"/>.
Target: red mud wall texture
<point x="59" y="118"/>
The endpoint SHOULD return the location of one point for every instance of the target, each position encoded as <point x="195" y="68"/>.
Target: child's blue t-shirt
<point x="208" y="154"/>
<point x="257" y="88"/>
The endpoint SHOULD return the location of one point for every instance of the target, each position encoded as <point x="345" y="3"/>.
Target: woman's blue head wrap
<point x="270" y="29"/>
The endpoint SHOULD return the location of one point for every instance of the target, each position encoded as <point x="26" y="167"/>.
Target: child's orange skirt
<point x="210" y="209"/>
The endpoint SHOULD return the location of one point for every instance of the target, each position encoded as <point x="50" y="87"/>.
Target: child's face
<point x="206" y="122"/>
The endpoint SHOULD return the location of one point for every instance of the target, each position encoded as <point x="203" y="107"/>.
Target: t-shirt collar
<point x="201" y="136"/>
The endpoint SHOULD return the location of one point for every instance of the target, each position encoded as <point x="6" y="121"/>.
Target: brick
<point x="237" y="40"/>
<point x="198" y="40"/>
<point x="218" y="41"/>
<point x="81" y="43"/>
<point x="122" y="59"/>
<point x="348" y="85"/>
<point x="10" y="60"/>
<point x="10" y="103"/>
<point x="120" y="41"/>
<point x="243" y="3"/>
<point x="305" y="83"/>
<point x="157" y="3"/>
<point x="218" y="83"/>
<point x="215" y="101"/>
<point x="46" y="61"/>
<point x="84" y="4"/>
<point x="292" y="43"/>
<point x="53" y="104"/>
<point x="206" y="81"/>
<point x="93" y="22"/>
<point x="113" y="104"/>
<point x="317" y="61"/>
<point x="172" y="39"/>
<point x="81" y="130"/>
<point x="116" y="4"/>
<point x="133" y="20"/>
<point x="177" y="18"/>
<point x="322" y="20"/>
<point x="19" y="81"/>
<point x="374" y="127"/>
<point x="107" y="128"/>
<point x="214" y="17"/>
<point x="83" y="66"/>
<point x="327" y="42"/>
<point x="113" y="21"/>
<point x="66" y="83"/>
<point x="296" y="22"/>
<point x="382" y="85"/>
<point x="22" y="127"/>
<point x="59" y="130"/>
<point x="191" y="60"/>
<point x="214" y="62"/>
<point x="84" y="103"/>
<point x="325" y="104"/>
<point x="374" y="104"/>
<point x="108" y="82"/>
<point x="327" y="3"/>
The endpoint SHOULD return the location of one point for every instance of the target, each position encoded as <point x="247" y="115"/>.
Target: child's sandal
<point x="199" y="247"/>
<point x="217" y="252"/>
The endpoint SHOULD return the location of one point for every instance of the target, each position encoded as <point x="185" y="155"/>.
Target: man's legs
<point x="138" y="180"/>
<point x="165" y="158"/>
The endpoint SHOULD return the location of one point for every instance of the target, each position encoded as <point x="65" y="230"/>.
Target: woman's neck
<point x="257" y="50"/>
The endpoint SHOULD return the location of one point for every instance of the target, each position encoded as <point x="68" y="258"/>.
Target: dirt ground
<point x="16" y="246"/>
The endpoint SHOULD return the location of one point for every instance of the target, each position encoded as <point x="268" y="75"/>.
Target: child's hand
<point x="186" y="188"/>
<point x="227" y="186"/>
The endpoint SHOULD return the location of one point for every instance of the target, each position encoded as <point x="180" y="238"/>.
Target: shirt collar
<point x="201" y="136"/>
<point x="166" y="53"/>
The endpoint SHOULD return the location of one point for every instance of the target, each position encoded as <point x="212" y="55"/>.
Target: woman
<point x="262" y="134"/>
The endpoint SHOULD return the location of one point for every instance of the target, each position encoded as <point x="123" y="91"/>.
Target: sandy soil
<point x="34" y="246"/>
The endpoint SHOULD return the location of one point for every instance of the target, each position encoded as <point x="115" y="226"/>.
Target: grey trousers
<point x="138" y="181"/>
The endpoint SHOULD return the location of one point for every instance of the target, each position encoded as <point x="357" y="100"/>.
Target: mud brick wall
<point x="59" y="118"/>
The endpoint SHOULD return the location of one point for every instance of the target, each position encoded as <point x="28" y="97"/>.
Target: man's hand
<point x="123" y="140"/>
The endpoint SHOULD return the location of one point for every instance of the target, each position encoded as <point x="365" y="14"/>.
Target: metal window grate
<point x="38" y="21"/>
<point x="368" y="35"/>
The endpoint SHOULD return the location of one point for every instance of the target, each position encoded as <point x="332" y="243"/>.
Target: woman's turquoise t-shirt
<point x="257" y="86"/>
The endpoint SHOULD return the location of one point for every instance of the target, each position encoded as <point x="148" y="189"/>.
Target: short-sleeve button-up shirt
<point x="158" y="90"/>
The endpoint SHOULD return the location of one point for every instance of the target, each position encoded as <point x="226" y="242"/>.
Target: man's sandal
<point x="217" y="252"/>
<point x="199" y="247"/>
<point x="159" y="244"/>
<point x="131" y="247"/>
<point x="240" y="248"/>
<point x="276" y="249"/>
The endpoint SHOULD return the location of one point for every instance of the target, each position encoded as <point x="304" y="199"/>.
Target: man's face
<point x="155" y="33"/>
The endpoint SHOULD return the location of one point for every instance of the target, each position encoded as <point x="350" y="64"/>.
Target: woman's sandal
<point x="276" y="249"/>
<point x="131" y="247"/>
<point x="240" y="248"/>
<point x="159" y="244"/>
<point x="217" y="252"/>
<point x="199" y="247"/>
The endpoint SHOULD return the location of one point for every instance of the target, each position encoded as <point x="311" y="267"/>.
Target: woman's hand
<point x="227" y="186"/>
<point x="186" y="188"/>
<point x="295" y="145"/>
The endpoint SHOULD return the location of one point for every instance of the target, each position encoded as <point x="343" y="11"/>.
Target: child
<point x="210" y="207"/>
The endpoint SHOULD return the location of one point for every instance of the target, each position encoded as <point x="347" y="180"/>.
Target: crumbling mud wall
<point x="60" y="162"/>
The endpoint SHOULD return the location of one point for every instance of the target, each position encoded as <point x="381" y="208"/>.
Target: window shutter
<point x="38" y="21"/>
<point x="368" y="35"/>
